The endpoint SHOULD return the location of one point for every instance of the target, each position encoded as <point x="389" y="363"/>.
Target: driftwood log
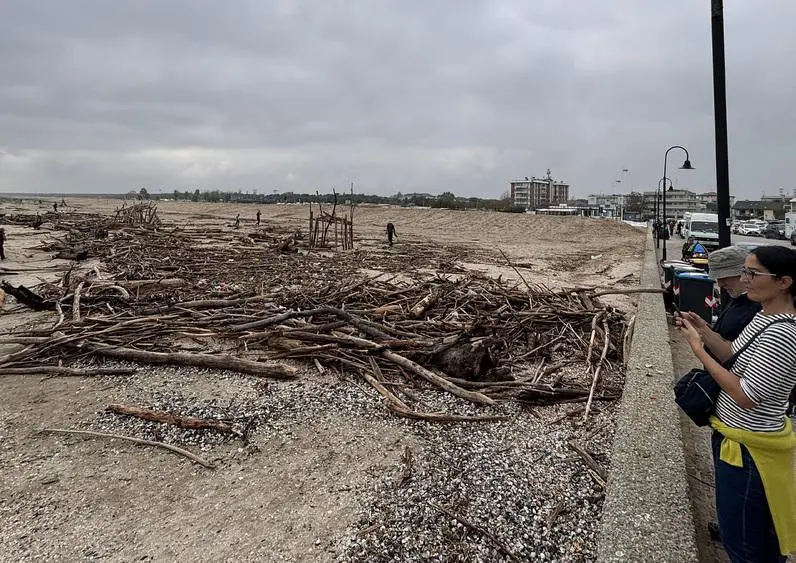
<point x="273" y="370"/>
<point x="175" y="449"/>
<point x="27" y="297"/>
<point x="173" y="419"/>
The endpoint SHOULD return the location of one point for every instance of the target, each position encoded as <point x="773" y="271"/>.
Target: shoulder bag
<point x="696" y="392"/>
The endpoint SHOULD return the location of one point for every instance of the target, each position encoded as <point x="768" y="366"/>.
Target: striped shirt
<point x="767" y="369"/>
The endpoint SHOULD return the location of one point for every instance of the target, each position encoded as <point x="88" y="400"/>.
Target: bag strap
<point x="729" y="363"/>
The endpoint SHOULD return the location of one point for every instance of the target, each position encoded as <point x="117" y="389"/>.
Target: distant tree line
<point x="446" y="200"/>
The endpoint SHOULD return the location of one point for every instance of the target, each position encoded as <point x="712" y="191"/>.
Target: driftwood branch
<point x="276" y="371"/>
<point x="59" y="371"/>
<point x="175" y="449"/>
<point x="76" y="303"/>
<point x="486" y="533"/>
<point x="400" y="408"/>
<point x="172" y="419"/>
<point x="599" y="368"/>
<point x="598" y="470"/>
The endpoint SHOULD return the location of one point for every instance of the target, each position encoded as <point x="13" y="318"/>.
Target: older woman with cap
<point x="725" y="267"/>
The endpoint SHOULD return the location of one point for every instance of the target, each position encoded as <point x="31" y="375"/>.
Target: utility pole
<point x="720" y="117"/>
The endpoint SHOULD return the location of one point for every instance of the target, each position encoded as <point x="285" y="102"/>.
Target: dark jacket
<point x="734" y="317"/>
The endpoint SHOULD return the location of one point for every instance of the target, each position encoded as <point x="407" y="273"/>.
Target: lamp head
<point x="687" y="165"/>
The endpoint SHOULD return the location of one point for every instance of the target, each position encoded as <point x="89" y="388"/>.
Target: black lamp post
<point x="686" y="166"/>
<point x="658" y="209"/>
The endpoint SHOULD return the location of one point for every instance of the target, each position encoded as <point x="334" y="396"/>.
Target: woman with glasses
<point x="753" y="441"/>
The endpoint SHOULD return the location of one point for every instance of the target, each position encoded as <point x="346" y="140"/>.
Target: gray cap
<point x="727" y="262"/>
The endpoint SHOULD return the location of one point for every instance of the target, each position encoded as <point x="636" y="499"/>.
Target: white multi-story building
<point x="678" y="203"/>
<point x="608" y="205"/>
<point x="533" y="193"/>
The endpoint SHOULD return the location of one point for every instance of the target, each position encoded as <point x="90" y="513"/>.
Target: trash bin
<point x="669" y="270"/>
<point x="694" y="292"/>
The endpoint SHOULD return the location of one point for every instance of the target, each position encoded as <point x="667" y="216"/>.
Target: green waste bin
<point x="694" y="292"/>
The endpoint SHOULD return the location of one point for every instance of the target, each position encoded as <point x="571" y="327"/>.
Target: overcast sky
<point x="394" y="95"/>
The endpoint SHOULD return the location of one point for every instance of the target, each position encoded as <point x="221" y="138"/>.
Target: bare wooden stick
<point x="176" y="449"/>
<point x="627" y="291"/>
<point x="76" y="303"/>
<point x="276" y="371"/>
<point x="487" y="534"/>
<point x="418" y="311"/>
<point x="627" y="342"/>
<point x="506" y="258"/>
<point x="594" y="322"/>
<point x="60" y="312"/>
<point x="400" y="408"/>
<point x="432" y="377"/>
<point x="173" y="419"/>
<point x="61" y="371"/>
<point x="589" y="461"/>
<point x="599" y="368"/>
<point x="137" y="284"/>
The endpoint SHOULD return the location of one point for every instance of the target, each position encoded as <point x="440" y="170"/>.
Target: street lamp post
<point x="658" y="209"/>
<point x="622" y="196"/>
<point x="686" y="166"/>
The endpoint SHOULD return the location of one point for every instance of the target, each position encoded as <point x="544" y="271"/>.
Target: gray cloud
<point x="393" y="95"/>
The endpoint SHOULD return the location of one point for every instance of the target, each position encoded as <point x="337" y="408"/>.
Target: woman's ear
<point x="787" y="283"/>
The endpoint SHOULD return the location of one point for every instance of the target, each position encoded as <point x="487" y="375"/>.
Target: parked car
<point x="775" y="229"/>
<point x="750" y="230"/>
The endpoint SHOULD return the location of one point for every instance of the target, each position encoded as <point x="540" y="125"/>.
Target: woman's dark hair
<point x="779" y="260"/>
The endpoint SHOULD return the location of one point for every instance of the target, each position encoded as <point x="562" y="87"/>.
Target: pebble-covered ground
<point x="501" y="491"/>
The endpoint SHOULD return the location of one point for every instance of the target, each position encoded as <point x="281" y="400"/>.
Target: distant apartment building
<point x="608" y="205"/>
<point x="678" y="203"/>
<point x="534" y="193"/>
<point x="708" y="197"/>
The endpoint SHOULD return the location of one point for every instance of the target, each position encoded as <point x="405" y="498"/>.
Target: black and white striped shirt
<point x="767" y="369"/>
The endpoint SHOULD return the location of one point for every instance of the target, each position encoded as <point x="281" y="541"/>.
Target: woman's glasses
<point x="746" y="272"/>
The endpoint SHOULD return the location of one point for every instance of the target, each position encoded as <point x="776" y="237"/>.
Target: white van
<point x="790" y="224"/>
<point x="704" y="227"/>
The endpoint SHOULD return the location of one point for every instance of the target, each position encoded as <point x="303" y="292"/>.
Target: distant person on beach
<point x="55" y="206"/>
<point x="391" y="233"/>
<point x="37" y="222"/>
<point x="237" y="221"/>
<point x="2" y="244"/>
<point x="258" y="217"/>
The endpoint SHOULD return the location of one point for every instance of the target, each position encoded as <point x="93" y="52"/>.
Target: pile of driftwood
<point x="342" y="227"/>
<point x="145" y="213"/>
<point x="213" y="299"/>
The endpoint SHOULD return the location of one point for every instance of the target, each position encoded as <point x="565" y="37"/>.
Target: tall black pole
<point x="666" y="238"/>
<point x="720" y="113"/>
<point x="656" y="224"/>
